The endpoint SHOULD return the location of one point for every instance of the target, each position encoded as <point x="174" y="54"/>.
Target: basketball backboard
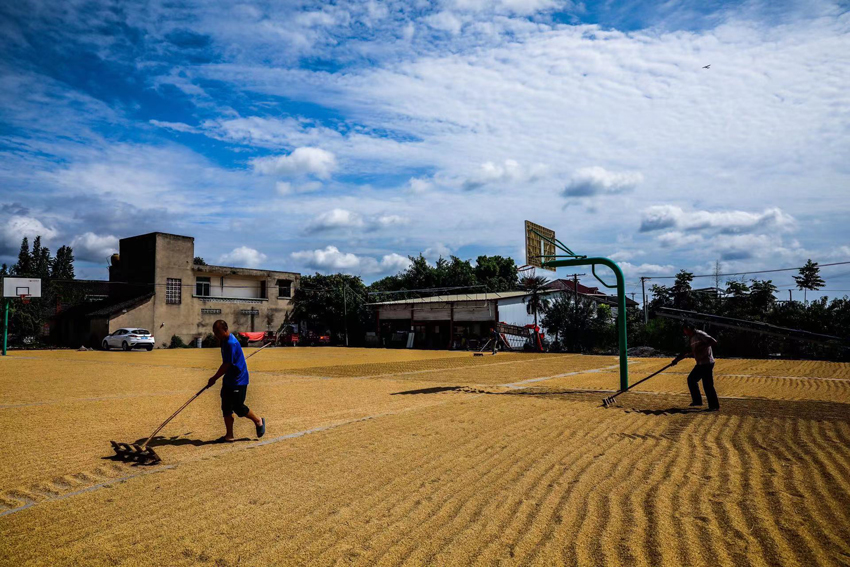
<point x="538" y="249"/>
<point x="16" y="287"/>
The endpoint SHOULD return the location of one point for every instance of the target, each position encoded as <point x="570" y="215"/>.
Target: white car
<point x="129" y="339"/>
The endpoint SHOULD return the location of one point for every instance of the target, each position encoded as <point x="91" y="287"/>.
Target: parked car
<point x="288" y="336"/>
<point x="129" y="338"/>
<point x="313" y="338"/>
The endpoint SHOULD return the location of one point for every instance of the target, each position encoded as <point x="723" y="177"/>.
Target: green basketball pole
<point x="571" y="259"/>
<point x="621" y="303"/>
<point x="6" y="327"/>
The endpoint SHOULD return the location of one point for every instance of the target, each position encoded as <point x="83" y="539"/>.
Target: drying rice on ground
<point x="411" y="457"/>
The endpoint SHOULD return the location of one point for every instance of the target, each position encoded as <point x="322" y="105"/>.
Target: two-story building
<point x="164" y="290"/>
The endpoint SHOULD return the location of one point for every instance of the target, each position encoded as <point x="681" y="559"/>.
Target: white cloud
<point x="93" y="247"/>
<point x="242" y="257"/>
<point x="345" y="219"/>
<point x="19" y="226"/>
<point x="634" y="270"/>
<point x="675" y="239"/>
<point x="445" y="21"/>
<point x="592" y="181"/>
<point x="508" y="172"/>
<point x="302" y="161"/>
<point x="437" y="251"/>
<point x="176" y="126"/>
<point x="384" y="221"/>
<point x="670" y="216"/>
<point x="328" y="259"/>
<point x="331" y="259"/>
<point x="335" y="218"/>
<point x="284" y="188"/>
<point x="419" y="185"/>
<point x="392" y="263"/>
<point x="519" y="7"/>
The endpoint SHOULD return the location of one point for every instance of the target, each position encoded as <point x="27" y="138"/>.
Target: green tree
<point x="762" y="297"/>
<point x="735" y="288"/>
<point x="809" y="278"/>
<point x="332" y="303"/>
<point x="40" y="259"/>
<point x="681" y="291"/>
<point x="496" y="273"/>
<point x="536" y="301"/>
<point x="62" y="267"/>
<point x="24" y="266"/>
<point x="198" y="261"/>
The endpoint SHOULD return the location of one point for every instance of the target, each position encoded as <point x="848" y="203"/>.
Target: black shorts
<point x="233" y="400"/>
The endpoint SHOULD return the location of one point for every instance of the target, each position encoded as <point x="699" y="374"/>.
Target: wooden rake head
<point x="609" y="401"/>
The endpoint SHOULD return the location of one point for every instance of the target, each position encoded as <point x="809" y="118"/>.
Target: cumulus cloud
<point x="592" y="181"/>
<point x="94" y="247"/>
<point x="634" y="270"/>
<point x="437" y="251"/>
<point x="419" y="185"/>
<point x="518" y="7"/>
<point x="335" y="218"/>
<point x="19" y="226"/>
<point x="242" y="257"/>
<point x="445" y="21"/>
<point x="330" y="259"/>
<point x="302" y="161"/>
<point x="345" y="219"/>
<point x="670" y="216"/>
<point x="675" y="239"/>
<point x="508" y="172"/>
<point x="384" y="221"/>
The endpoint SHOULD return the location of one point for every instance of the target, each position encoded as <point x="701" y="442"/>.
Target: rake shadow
<point x="178" y="441"/>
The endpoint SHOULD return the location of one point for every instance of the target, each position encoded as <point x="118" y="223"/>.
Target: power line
<point x="747" y="273"/>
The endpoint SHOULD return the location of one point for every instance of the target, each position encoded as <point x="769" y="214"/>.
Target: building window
<point x="173" y="291"/>
<point x="263" y="289"/>
<point x="284" y="288"/>
<point x="202" y="286"/>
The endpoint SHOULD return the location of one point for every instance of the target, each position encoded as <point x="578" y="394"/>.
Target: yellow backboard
<point x="536" y="248"/>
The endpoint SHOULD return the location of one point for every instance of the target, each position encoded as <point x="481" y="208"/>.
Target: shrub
<point x="177" y="342"/>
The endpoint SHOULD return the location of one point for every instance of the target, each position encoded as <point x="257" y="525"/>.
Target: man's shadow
<point x="668" y="411"/>
<point x="160" y="441"/>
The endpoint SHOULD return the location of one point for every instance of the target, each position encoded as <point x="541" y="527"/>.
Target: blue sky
<point x="346" y="136"/>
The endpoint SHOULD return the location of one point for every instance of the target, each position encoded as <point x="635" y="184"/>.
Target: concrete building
<point x="464" y="320"/>
<point x="157" y="286"/>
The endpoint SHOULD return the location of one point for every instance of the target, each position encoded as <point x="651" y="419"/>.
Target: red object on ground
<point x="252" y="337"/>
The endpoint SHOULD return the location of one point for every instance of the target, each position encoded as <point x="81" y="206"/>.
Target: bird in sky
<point x="707" y="66"/>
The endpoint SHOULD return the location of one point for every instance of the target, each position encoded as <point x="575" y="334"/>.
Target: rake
<point x="146" y="455"/>
<point x="611" y="400"/>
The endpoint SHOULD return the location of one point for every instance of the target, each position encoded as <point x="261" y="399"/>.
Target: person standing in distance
<point x="701" y="349"/>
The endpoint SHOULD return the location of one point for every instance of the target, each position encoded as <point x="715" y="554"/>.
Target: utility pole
<point x="345" y="311"/>
<point x="789" y="296"/>
<point x="643" y="302"/>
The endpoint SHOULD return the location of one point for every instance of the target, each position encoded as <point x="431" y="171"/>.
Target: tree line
<point x="56" y="273"/>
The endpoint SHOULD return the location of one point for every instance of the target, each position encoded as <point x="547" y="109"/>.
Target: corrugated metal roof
<point x="458" y="297"/>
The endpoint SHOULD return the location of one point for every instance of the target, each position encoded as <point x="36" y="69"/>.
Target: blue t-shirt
<point x="231" y="352"/>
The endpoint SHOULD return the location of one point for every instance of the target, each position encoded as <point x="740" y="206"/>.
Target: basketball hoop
<point x="524" y="270"/>
<point x="25" y="298"/>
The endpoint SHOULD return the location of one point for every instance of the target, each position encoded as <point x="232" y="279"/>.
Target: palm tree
<point x="809" y="279"/>
<point x="535" y="302"/>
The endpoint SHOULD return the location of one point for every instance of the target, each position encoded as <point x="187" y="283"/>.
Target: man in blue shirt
<point x="234" y="387"/>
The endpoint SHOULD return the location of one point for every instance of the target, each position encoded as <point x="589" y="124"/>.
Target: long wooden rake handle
<point x="610" y="399"/>
<point x="173" y="415"/>
<point x="192" y="399"/>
